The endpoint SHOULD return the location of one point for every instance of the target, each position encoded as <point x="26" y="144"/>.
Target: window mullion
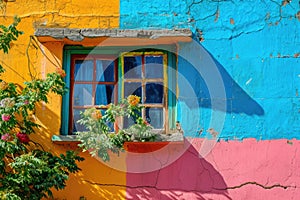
<point x="143" y="82"/>
<point x="94" y="83"/>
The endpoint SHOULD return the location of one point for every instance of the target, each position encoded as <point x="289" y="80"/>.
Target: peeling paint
<point x="217" y="15"/>
<point x="262" y="100"/>
<point x="298" y="15"/>
<point x="248" y="81"/>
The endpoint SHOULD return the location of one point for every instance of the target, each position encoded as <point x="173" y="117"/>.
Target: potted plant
<point x="105" y="133"/>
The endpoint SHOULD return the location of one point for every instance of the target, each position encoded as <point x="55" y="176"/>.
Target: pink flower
<point x="6" y="137"/>
<point x="26" y="102"/>
<point x="23" y="137"/>
<point x="5" y="117"/>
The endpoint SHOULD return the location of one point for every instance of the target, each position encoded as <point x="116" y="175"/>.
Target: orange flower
<point x="146" y="123"/>
<point x="61" y="72"/>
<point x="96" y="115"/>
<point x="3" y="85"/>
<point x="133" y="100"/>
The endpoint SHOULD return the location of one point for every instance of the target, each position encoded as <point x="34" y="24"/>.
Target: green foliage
<point x="28" y="172"/>
<point x="8" y="34"/>
<point x="104" y="134"/>
<point x="36" y="172"/>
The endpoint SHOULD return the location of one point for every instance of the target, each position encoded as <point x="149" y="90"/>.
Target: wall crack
<point x="257" y="184"/>
<point x="144" y="186"/>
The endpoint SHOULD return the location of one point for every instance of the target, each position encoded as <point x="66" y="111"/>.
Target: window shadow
<point x="188" y="177"/>
<point x="211" y="84"/>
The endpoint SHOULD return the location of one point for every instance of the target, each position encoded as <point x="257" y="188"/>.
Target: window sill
<point x="71" y="142"/>
<point x="68" y="141"/>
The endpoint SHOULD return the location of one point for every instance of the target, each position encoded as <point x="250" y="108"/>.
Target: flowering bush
<point x="105" y="133"/>
<point x="27" y="171"/>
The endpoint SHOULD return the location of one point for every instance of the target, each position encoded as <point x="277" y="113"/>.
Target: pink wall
<point x="231" y="170"/>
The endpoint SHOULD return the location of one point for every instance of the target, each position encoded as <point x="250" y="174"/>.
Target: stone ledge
<point x="64" y="138"/>
<point x="75" y="34"/>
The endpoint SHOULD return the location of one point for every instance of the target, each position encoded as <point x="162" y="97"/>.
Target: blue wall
<point x="245" y="72"/>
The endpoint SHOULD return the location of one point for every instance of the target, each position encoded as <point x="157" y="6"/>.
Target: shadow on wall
<point x="188" y="177"/>
<point x="211" y="84"/>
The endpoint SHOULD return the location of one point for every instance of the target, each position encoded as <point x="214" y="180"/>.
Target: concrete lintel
<point x="75" y="34"/>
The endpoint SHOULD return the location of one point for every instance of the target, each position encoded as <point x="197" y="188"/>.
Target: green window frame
<point x="168" y="81"/>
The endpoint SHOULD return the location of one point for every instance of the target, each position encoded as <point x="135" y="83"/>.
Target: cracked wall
<point x="253" y="45"/>
<point x="29" y="58"/>
<point x="233" y="170"/>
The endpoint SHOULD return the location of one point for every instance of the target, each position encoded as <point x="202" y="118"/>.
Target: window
<point x="105" y="76"/>
<point x="93" y="82"/>
<point x="144" y="75"/>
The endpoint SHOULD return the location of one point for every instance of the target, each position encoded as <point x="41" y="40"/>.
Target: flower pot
<point x="144" y="147"/>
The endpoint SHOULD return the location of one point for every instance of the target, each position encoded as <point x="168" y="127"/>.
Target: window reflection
<point x="154" y="66"/>
<point x="82" y="94"/>
<point x="154" y="93"/>
<point x="132" y="67"/>
<point x="76" y="117"/>
<point x="133" y="88"/>
<point x="155" y="117"/>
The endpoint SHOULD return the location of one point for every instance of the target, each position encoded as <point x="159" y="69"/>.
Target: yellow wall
<point x="25" y="60"/>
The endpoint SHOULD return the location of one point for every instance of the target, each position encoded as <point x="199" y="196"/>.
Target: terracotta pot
<point x="144" y="147"/>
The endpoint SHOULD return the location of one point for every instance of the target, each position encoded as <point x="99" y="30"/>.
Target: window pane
<point x="154" y="93"/>
<point x="76" y="117"/>
<point x="127" y="122"/>
<point x="130" y="121"/>
<point x="105" y="70"/>
<point x="155" y="117"/>
<point x="132" y="67"/>
<point x="83" y="70"/>
<point x="132" y="88"/>
<point x="154" y="67"/>
<point x="82" y="94"/>
<point x="104" y="94"/>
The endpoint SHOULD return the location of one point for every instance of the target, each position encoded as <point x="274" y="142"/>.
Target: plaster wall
<point x="239" y="81"/>
<point x="247" y="57"/>
<point x="28" y="58"/>
<point x="243" y="73"/>
<point x="232" y="170"/>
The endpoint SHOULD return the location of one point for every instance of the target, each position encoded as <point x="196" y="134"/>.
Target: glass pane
<point x="83" y="70"/>
<point x="105" y="70"/>
<point x="104" y="94"/>
<point x="132" y="67"/>
<point x="155" y="117"/>
<point x="154" y="67"/>
<point x="127" y="122"/>
<point x="154" y="92"/>
<point x="130" y="121"/>
<point x="132" y="88"/>
<point x="76" y="116"/>
<point x="82" y="94"/>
